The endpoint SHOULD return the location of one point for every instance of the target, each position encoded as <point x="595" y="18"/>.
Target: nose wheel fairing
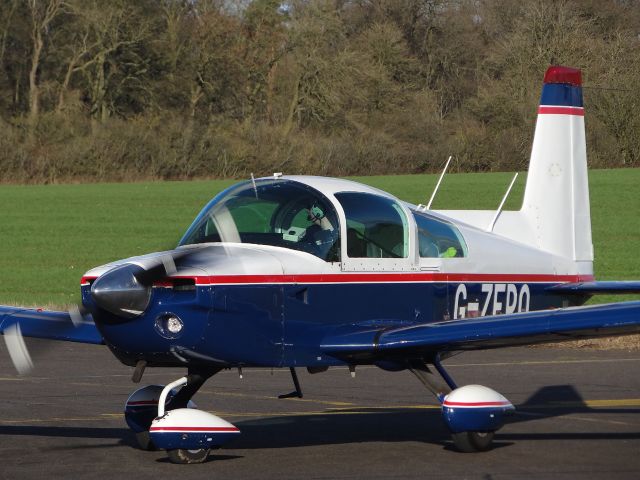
<point x="191" y="429"/>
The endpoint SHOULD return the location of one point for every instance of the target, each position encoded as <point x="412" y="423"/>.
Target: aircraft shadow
<point x="355" y="426"/>
<point x="301" y="431"/>
<point x="556" y="400"/>
<point x="360" y="425"/>
<point x="380" y="424"/>
<point x="286" y="431"/>
<point x="122" y="436"/>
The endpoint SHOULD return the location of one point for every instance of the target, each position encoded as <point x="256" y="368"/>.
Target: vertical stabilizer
<point x="556" y="199"/>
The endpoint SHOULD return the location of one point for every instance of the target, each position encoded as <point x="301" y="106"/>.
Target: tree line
<point x="94" y="90"/>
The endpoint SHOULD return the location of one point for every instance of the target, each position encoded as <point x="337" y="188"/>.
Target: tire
<point x="470" y="442"/>
<point x="183" y="456"/>
<point x="144" y="441"/>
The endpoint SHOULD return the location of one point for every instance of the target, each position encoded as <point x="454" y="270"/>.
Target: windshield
<point x="281" y="213"/>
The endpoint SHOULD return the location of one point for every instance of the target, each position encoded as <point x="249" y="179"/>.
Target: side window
<point x="438" y="239"/>
<point x="376" y="226"/>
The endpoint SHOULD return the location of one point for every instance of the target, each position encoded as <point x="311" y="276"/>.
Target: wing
<point x="368" y="344"/>
<point x="48" y="324"/>
<point x="591" y="288"/>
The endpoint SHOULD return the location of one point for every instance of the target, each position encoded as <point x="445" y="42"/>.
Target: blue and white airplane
<point x="302" y="271"/>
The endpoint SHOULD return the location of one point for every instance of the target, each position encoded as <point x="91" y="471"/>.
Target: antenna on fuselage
<point x="253" y="181"/>
<point x="504" y="199"/>
<point x="435" y="190"/>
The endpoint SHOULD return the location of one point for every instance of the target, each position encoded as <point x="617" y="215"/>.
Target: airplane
<point x="315" y="272"/>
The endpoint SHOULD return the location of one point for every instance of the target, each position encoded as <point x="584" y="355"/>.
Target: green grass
<point x="50" y="235"/>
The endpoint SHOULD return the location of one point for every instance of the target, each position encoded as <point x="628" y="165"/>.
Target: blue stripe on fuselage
<point x="281" y="325"/>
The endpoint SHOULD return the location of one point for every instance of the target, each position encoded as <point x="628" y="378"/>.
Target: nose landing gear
<point x="187" y="434"/>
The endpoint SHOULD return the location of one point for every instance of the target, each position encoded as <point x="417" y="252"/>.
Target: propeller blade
<point x="169" y="265"/>
<point x="46" y="325"/>
<point x="18" y="349"/>
<point x="161" y="267"/>
<point x="79" y="314"/>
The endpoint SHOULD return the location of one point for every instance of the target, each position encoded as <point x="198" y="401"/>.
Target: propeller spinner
<point x="125" y="290"/>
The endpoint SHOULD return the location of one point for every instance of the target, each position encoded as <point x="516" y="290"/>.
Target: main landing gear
<point x="472" y="413"/>
<point x="165" y="418"/>
<point x="469" y="442"/>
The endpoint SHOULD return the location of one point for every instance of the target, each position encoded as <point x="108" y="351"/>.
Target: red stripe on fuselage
<point x="561" y="110"/>
<point x="194" y="429"/>
<point x="400" y="277"/>
<point x="475" y="404"/>
<point x="390" y="278"/>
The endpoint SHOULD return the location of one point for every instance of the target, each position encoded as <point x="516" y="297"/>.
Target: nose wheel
<point x="184" y="456"/>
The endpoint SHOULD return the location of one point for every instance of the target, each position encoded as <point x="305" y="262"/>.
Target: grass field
<point x="50" y="235"/>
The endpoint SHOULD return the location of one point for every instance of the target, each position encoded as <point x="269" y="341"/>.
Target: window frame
<point x="382" y="264"/>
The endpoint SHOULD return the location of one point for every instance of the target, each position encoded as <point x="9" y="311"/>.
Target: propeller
<point x="124" y="291"/>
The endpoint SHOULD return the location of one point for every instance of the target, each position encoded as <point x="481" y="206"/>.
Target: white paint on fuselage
<point x="488" y="253"/>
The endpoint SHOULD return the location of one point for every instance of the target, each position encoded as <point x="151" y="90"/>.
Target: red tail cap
<point x="560" y="74"/>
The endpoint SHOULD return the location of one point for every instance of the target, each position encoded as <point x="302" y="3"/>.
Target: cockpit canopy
<point x="276" y="212"/>
<point x="292" y="214"/>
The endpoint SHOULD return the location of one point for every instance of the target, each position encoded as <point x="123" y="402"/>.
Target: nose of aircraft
<point x="122" y="291"/>
<point x="125" y="290"/>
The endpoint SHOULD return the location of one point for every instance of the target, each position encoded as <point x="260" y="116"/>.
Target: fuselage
<point x="274" y="267"/>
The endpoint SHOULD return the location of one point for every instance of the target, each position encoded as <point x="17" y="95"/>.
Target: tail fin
<point x="556" y="199"/>
<point x="555" y="214"/>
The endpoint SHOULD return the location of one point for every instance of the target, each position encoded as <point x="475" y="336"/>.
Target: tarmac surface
<point x="578" y="416"/>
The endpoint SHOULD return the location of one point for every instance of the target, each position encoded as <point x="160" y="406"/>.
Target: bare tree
<point x="42" y="13"/>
